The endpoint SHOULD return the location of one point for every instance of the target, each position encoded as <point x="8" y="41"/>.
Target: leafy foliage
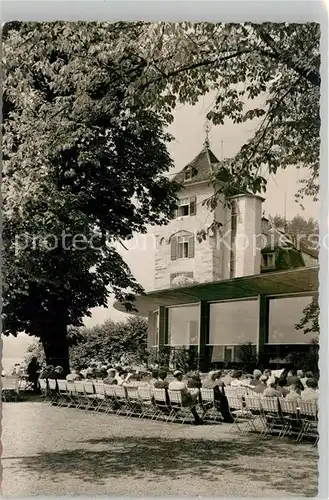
<point x="273" y="65"/>
<point x="35" y="349"/>
<point x="111" y="341"/>
<point x="302" y="231"/>
<point x="184" y="359"/>
<point x="309" y="322"/>
<point x="80" y="176"/>
<point x="307" y="360"/>
<point x="160" y="356"/>
<point x="175" y="358"/>
<point x="247" y="356"/>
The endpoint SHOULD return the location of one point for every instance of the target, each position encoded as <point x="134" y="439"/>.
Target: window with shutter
<point x="191" y="247"/>
<point x="182" y="246"/>
<point x="183" y="207"/>
<point x="173" y="245"/>
<point x="193" y="205"/>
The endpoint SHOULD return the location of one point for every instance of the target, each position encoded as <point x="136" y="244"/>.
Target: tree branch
<point x="312" y="76"/>
<point x="199" y="64"/>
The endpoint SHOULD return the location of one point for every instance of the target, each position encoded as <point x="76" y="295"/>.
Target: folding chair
<point x="44" y="389"/>
<point x="112" y="404"/>
<point x="100" y="396"/>
<point x="53" y="391"/>
<point x="90" y="396"/>
<point x="121" y="398"/>
<point x="24" y="384"/>
<point x="80" y="394"/>
<point x="148" y="409"/>
<point x="162" y="406"/>
<point x="290" y="415"/>
<point x="308" y="413"/>
<point x="134" y="401"/>
<point x="237" y="409"/>
<point x="72" y="396"/>
<point x="230" y="391"/>
<point x="241" y="391"/>
<point x="62" y="393"/>
<point x="254" y="408"/>
<point x="176" y="402"/>
<point x="208" y="405"/>
<point x="272" y="416"/>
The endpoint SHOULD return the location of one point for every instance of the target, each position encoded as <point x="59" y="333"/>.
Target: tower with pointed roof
<point x="200" y="245"/>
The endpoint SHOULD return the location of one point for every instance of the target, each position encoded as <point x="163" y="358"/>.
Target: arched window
<point x="182" y="245"/>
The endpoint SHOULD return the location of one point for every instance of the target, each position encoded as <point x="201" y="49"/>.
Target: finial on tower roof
<point x="207" y="130"/>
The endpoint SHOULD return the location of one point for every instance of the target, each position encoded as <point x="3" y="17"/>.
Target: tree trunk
<point x="56" y="347"/>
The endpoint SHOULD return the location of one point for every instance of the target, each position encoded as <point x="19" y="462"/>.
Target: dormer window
<point x="188" y="174"/>
<point x="268" y="260"/>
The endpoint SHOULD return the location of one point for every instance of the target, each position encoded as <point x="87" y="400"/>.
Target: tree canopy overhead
<point x="162" y="64"/>
<point x="79" y="176"/>
<point x="85" y="108"/>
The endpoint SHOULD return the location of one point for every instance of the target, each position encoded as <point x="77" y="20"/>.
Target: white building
<point x="224" y="277"/>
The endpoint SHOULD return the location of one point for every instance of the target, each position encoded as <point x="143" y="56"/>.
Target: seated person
<point x="110" y="379"/>
<point x="154" y="376"/>
<point x="237" y="379"/>
<point x="310" y="392"/>
<point x="47" y="372"/>
<point x="271" y="391"/>
<point x="59" y="373"/>
<point x="283" y="392"/>
<point x="74" y="375"/>
<point x="121" y="378"/>
<point x="212" y="380"/>
<point x="90" y="372"/>
<point x="260" y="388"/>
<point x="256" y="376"/>
<point x="294" y="393"/>
<point x="306" y="377"/>
<point x="227" y="379"/>
<point x="161" y="382"/>
<point x="194" y="381"/>
<point x="293" y="379"/>
<point x="188" y="399"/>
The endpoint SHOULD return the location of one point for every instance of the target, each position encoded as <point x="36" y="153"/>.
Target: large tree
<point x="74" y="186"/>
<point x="85" y="107"/>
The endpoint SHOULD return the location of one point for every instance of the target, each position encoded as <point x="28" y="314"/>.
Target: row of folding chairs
<point x="132" y="401"/>
<point x="278" y="416"/>
<point x="239" y="391"/>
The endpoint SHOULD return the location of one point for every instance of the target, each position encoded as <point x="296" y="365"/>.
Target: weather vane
<point x="207" y="130"/>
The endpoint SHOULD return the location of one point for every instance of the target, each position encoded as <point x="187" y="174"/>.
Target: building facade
<point x="224" y="277"/>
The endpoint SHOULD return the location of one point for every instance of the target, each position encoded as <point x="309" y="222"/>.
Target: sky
<point x="188" y="128"/>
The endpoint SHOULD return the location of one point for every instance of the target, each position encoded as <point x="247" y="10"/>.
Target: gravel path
<point x="50" y="451"/>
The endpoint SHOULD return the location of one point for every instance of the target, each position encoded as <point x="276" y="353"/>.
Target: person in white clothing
<point x="238" y="380"/>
